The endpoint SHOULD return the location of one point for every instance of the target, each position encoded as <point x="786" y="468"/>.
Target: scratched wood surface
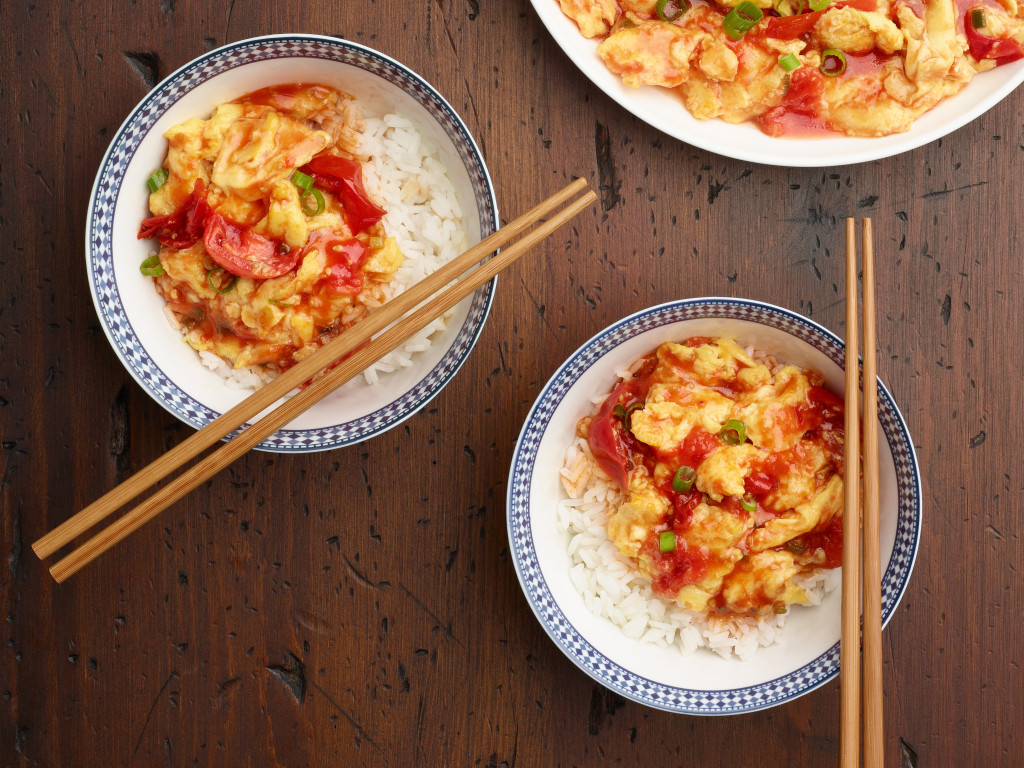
<point x="359" y="607"/>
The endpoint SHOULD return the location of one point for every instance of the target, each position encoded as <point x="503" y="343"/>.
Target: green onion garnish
<point x="748" y="503"/>
<point x="313" y="203"/>
<point x="789" y="62"/>
<point x="683" y="481"/>
<point x="666" y="541"/>
<point x="302" y="181"/>
<point x="629" y="412"/>
<point x="670" y="10"/>
<point x="152" y="267"/>
<point x="224" y="287"/>
<point x="978" y="18"/>
<point x="733" y="433"/>
<point x="740" y="19"/>
<point x="819" y="5"/>
<point x="619" y="412"/>
<point x="156" y="179"/>
<point x="281" y="304"/>
<point x="796" y="546"/>
<point x="833" y="62"/>
<point x="779" y="608"/>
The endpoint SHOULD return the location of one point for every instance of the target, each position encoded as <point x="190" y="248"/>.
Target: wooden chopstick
<point x="348" y="343"/>
<point x="861" y="694"/>
<point x="849" y="643"/>
<point x="871" y="576"/>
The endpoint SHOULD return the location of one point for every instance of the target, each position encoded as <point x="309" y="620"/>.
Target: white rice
<point x="403" y="172"/>
<point x="613" y="588"/>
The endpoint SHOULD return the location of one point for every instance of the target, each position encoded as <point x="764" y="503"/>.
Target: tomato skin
<point x="608" y="437"/>
<point x="183" y="228"/>
<point x="244" y="253"/>
<point x="345" y="178"/>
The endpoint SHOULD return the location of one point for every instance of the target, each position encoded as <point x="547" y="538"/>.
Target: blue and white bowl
<point x="130" y="310"/>
<point x="807" y="656"/>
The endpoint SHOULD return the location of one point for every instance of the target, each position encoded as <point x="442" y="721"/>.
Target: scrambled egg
<point x="903" y="57"/>
<point x="738" y="462"/>
<point x="244" y="157"/>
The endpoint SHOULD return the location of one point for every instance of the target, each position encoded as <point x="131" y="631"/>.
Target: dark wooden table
<point x="359" y="607"/>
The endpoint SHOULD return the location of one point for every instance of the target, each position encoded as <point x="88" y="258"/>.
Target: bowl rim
<point x="341" y="434"/>
<point x="568" y="638"/>
<point x="838" y="151"/>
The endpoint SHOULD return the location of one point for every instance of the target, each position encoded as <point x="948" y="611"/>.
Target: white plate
<point x="665" y="111"/>
<point x="130" y="310"/>
<point x="703" y="683"/>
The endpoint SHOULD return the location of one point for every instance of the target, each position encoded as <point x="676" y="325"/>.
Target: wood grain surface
<point x="359" y="607"/>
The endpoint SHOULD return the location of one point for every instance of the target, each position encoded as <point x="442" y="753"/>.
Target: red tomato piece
<point x="345" y="178"/>
<point x="1001" y="50"/>
<point x="184" y="227"/>
<point x="607" y="441"/>
<point x="245" y="253"/>
<point x="803" y="97"/>
<point x="344" y="262"/>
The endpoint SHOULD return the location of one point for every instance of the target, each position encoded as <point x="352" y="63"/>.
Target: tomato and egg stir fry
<point x="799" y="67"/>
<point x="269" y="243"/>
<point x="731" y="472"/>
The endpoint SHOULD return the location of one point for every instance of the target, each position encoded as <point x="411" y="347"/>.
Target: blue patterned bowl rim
<point x="105" y="192"/>
<point x="538" y="593"/>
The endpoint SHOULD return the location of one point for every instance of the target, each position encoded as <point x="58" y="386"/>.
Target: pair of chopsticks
<point x="861" y="697"/>
<point x="352" y="351"/>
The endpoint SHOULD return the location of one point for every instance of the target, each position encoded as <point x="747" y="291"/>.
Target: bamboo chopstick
<point x="861" y="694"/>
<point x="871" y="568"/>
<point x="849" y="644"/>
<point x="347" y="343"/>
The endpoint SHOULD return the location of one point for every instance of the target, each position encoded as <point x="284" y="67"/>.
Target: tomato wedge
<point x="1000" y="50"/>
<point x="345" y="178"/>
<point x="184" y="227"/>
<point x="607" y="441"/>
<point x="244" y="253"/>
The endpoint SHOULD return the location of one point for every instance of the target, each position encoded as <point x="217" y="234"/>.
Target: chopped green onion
<point x="733" y="433"/>
<point x="796" y="546"/>
<point x="302" y="181"/>
<point x="740" y="19"/>
<point x="281" y="304"/>
<point x="683" y="481"/>
<point x="789" y="62"/>
<point x="819" y="5"/>
<point x="833" y="62"/>
<point x="670" y="10"/>
<point x="313" y="203"/>
<point x="629" y="412"/>
<point x="779" y="607"/>
<point x="152" y="267"/>
<point x="619" y="412"/>
<point x="978" y="18"/>
<point x="223" y="288"/>
<point x="666" y="541"/>
<point x="748" y="503"/>
<point x="156" y="179"/>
